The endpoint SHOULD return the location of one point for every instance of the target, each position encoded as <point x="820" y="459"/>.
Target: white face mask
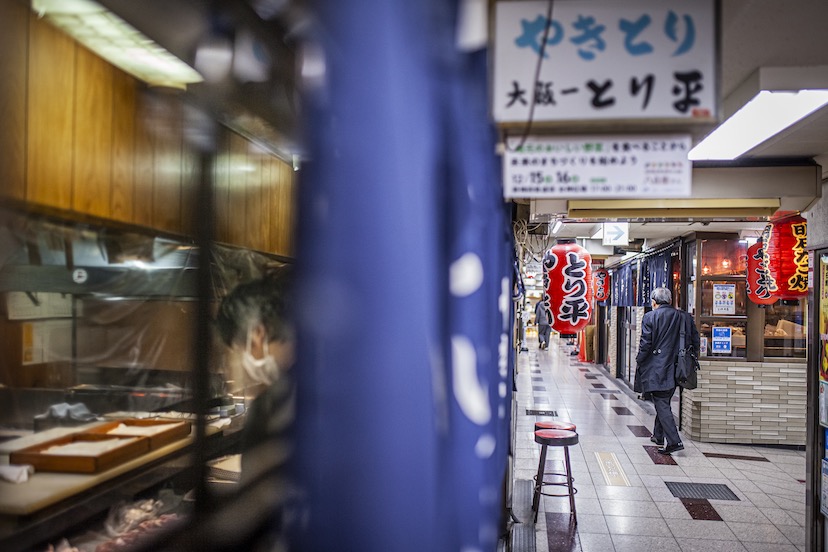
<point x="261" y="370"/>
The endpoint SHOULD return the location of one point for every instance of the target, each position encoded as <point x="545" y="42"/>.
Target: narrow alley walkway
<point x="624" y="499"/>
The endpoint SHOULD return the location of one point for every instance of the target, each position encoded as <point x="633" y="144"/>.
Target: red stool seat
<point x="568" y="426"/>
<point x="556" y="437"/>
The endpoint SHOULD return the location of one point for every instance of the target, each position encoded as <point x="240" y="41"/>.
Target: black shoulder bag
<point x="686" y="362"/>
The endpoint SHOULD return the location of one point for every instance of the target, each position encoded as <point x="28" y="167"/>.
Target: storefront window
<point x="727" y="257"/>
<point x="786" y="329"/>
<point x="721" y="296"/>
<point x="723" y="339"/>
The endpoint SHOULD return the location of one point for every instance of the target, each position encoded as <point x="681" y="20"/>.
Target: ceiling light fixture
<point x="771" y="100"/>
<point x="558" y="224"/>
<point x="117" y="42"/>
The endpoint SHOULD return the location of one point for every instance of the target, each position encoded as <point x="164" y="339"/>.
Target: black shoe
<point x="654" y="440"/>
<point x="669" y="449"/>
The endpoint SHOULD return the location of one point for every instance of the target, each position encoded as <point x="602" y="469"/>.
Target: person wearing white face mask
<point x="254" y="322"/>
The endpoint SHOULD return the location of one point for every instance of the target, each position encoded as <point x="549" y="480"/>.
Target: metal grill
<point x="701" y="490"/>
<point x="541" y="412"/>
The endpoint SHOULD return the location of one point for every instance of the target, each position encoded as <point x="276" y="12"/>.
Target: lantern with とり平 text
<point x="601" y="284"/>
<point x="758" y="279"/>
<point x="787" y="257"/>
<point x="568" y="286"/>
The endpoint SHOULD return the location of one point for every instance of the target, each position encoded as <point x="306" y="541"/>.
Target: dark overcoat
<point x="659" y="347"/>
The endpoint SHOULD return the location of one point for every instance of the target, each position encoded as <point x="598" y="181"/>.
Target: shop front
<point x="632" y="282"/>
<point x="752" y="379"/>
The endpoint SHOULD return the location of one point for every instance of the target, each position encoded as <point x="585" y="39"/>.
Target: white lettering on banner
<point x="605" y="59"/>
<point x="598" y="167"/>
<point x="574" y="307"/>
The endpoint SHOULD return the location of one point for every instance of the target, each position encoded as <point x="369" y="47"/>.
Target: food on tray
<point x="87" y="448"/>
<point x="141" y="431"/>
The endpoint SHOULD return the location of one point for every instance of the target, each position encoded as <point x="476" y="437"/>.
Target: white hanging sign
<point x="605" y="60"/>
<point x="597" y="167"/>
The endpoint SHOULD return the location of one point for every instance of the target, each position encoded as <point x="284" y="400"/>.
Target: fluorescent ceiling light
<point x="117" y="41"/>
<point x="768" y="113"/>
<point x="558" y="224"/>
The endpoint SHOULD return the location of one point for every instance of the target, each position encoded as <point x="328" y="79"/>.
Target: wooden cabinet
<point x="83" y="137"/>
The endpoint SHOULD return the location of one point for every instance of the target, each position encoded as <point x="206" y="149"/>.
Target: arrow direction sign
<point x="616" y="233"/>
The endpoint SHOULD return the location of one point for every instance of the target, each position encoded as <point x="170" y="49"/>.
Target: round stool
<point x="568" y="426"/>
<point x="555" y="438"/>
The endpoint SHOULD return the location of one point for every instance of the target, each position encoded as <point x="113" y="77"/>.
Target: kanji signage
<point x="787" y="257"/>
<point x="567" y="277"/>
<point x="758" y="279"/>
<point x="604" y="59"/>
<point x="601" y="284"/>
<point x="632" y="166"/>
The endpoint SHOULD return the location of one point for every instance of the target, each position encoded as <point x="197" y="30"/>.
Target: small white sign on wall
<point x="724" y="299"/>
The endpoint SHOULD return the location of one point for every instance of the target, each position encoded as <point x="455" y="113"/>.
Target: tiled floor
<point x="769" y="514"/>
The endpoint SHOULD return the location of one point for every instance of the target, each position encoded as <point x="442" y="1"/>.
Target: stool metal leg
<point x="539" y="483"/>
<point x="569" y="484"/>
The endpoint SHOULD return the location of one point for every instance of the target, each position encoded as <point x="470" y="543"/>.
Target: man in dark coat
<point x="656" y="360"/>
<point x="543" y="322"/>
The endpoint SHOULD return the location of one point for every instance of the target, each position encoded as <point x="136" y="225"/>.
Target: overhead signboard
<point x="597" y="167"/>
<point x="616" y="233"/>
<point x="605" y="60"/>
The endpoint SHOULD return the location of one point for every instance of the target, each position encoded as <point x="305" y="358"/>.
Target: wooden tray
<point x="174" y="430"/>
<point x="34" y="455"/>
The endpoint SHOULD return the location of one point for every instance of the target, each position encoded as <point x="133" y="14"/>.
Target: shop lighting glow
<point x="117" y="41"/>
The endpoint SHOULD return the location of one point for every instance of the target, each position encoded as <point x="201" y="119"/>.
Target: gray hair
<point x="661" y="296"/>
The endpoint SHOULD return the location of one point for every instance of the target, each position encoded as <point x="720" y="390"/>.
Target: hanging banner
<point x="568" y="286"/>
<point x="605" y="60"/>
<point x="758" y="279"/>
<point x="598" y="166"/>
<point x="601" y="284"/>
<point x="787" y="256"/>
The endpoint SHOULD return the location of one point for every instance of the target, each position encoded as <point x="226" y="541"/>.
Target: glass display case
<point x="786" y="329"/>
<point x="717" y="284"/>
<point x="105" y="387"/>
<point x="730" y="325"/>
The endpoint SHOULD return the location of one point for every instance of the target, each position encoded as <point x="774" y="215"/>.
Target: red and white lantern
<point x="787" y="257"/>
<point x="758" y="279"/>
<point x="601" y="284"/>
<point x="567" y="274"/>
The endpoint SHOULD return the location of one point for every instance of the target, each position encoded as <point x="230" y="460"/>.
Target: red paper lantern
<point x="567" y="279"/>
<point x="787" y="257"/>
<point x="601" y="284"/>
<point x="758" y="279"/>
